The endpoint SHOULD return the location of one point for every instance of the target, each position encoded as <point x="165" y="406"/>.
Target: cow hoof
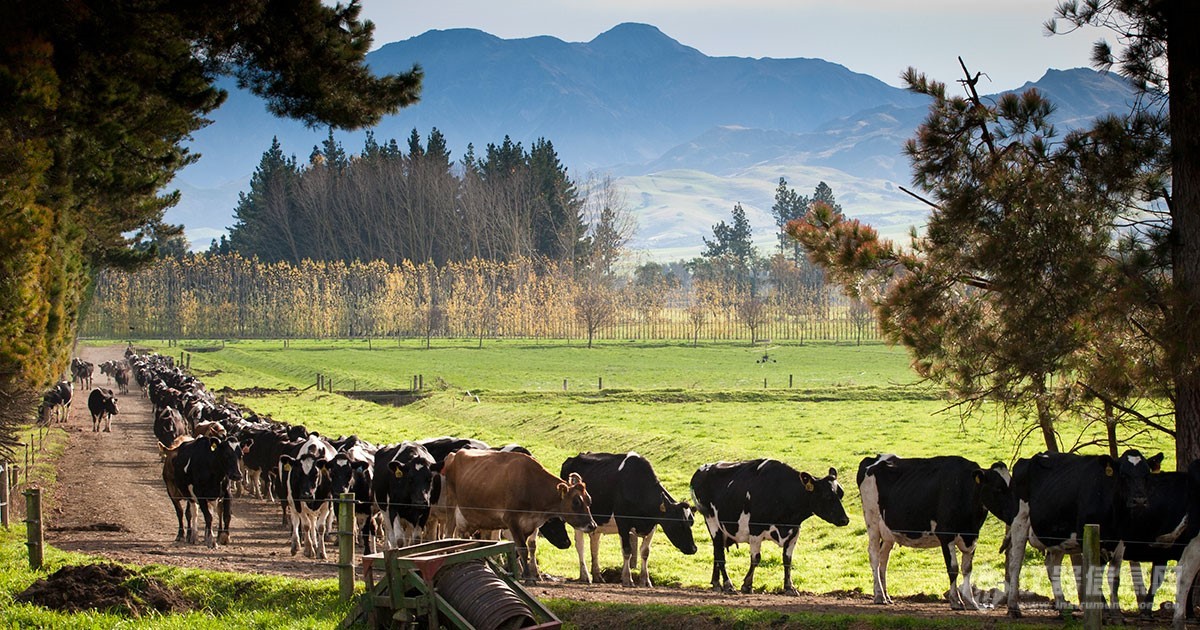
<point x="791" y="591"/>
<point x="223" y="539"/>
<point x="747" y="589"/>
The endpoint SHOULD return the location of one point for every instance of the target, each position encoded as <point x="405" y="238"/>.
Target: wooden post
<point x="564" y="384"/>
<point x="1093" y="578"/>
<point x="4" y="510"/>
<point x="33" y="526"/>
<point x="345" y="520"/>
<point x="764" y="383"/>
<point x="420" y="381"/>
<point x="600" y="382"/>
<point x="189" y="360"/>
<point x="329" y="384"/>
<point x="789" y="381"/>
<point x="320" y="383"/>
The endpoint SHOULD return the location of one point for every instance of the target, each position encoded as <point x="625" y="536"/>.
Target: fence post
<point x="599" y="382"/>
<point x="345" y="521"/>
<point x="420" y="381"/>
<point x="564" y="384"/>
<point x="789" y="381"/>
<point x="4" y="509"/>
<point x="33" y="526"/>
<point x="1093" y="577"/>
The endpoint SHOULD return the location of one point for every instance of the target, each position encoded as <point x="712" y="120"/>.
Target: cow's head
<point x="412" y="482"/>
<point x="576" y="505"/>
<point x="341" y="474"/>
<point x="995" y="493"/>
<point x="555" y="531"/>
<point x="229" y="453"/>
<point x="1133" y="472"/>
<point x="110" y="402"/>
<point x="303" y="475"/>
<point x="677" y="521"/>
<point x="825" y="497"/>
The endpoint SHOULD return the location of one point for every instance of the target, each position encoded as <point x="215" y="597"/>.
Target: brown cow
<point x="513" y="492"/>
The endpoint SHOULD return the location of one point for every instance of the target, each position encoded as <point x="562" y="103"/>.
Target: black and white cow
<point x="404" y="486"/>
<point x="82" y="371"/>
<point x="761" y="499"/>
<point x="198" y="472"/>
<point x="1156" y="534"/>
<point x="934" y="502"/>
<point x="1056" y="494"/>
<point x="102" y="404"/>
<point x="121" y="376"/>
<point x="56" y="402"/>
<point x="307" y="480"/>
<point x="628" y="500"/>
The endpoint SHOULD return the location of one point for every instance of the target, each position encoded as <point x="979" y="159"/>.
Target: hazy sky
<point x="1004" y="38"/>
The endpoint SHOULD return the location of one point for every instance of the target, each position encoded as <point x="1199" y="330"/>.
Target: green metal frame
<point x="412" y="569"/>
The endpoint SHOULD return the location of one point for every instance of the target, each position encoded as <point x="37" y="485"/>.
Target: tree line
<point x="230" y="296"/>
<point x="395" y="202"/>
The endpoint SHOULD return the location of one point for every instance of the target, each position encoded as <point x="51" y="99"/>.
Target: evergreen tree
<point x="558" y="226"/>
<point x="262" y="218"/>
<point x="788" y="207"/>
<point x="732" y="250"/>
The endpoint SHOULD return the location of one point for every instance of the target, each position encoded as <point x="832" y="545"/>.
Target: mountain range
<point x="685" y="135"/>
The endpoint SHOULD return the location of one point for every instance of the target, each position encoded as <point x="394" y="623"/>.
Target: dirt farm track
<point x="110" y="501"/>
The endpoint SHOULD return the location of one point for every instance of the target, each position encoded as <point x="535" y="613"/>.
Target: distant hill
<point x="638" y="104"/>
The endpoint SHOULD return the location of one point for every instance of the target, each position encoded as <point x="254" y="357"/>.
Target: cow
<point x="440" y="447"/>
<point x="168" y="425"/>
<point x="934" y="502"/>
<point x="209" y="428"/>
<point x="56" y="403"/>
<point x="440" y="513"/>
<point x="762" y="498"/>
<point x="630" y="501"/>
<point x="314" y="445"/>
<point x="82" y="371"/>
<point x="121" y="376"/>
<point x="362" y="472"/>
<point x="404" y="486"/>
<point x="307" y="481"/>
<point x="1056" y="494"/>
<point x="102" y="403"/>
<point x="198" y="472"/>
<point x="261" y="461"/>
<point x="512" y="491"/>
<point x="1156" y="535"/>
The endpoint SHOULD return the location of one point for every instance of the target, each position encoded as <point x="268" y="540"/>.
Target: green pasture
<point x="525" y="365"/>
<point x="677" y="405"/>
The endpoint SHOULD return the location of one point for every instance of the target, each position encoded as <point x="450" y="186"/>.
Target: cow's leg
<point x="322" y="529"/>
<point x="966" y="590"/>
<point x="1080" y="579"/>
<point x="295" y="533"/>
<point x="1053" y="563"/>
<point x="755" y="558"/>
<point x="1139" y="587"/>
<point x="628" y="554"/>
<point x="1185" y="574"/>
<point x="1158" y="571"/>
<point x="178" y="517"/>
<point x="720" y="577"/>
<point x="108" y="423"/>
<point x="873" y="544"/>
<point x="644" y="578"/>
<point x="190" y="514"/>
<point x="583" y="569"/>
<point x="1018" y="535"/>
<point x="885" y="554"/>
<point x="951" y="561"/>
<point x="208" y="530"/>
<point x="226" y="516"/>
<point x="789" y="547"/>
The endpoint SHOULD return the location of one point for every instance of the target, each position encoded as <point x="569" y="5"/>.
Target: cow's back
<point x="496" y="480"/>
<point x="1064" y="492"/>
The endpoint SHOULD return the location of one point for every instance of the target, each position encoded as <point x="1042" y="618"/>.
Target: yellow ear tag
<point x="399" y="473"/>
<point x="809" y="486"/>
<point x="213" y="446"/>
<point x="977" y="481"/>
<point x="287" y="468"/>
<point x="662" y="507"/>
<point x="1108" y="470"/>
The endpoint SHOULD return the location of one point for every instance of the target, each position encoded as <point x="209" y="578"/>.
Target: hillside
<point x="635" y="103"/>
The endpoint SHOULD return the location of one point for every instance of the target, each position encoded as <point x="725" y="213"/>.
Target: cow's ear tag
<point x="808" y="485"/>
<point x="662" y="507"/>
<point x="287" y="468"/>
<point x="399" y="473"/>
<point x="1108" y="470"/>
<point x="212" y="446"/>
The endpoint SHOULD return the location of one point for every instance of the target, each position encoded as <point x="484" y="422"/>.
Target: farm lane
<point x="110" y="501"/>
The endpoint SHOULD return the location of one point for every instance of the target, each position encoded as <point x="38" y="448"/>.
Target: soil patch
<point x="104" y="587"/>
<point x="93" y="527"/>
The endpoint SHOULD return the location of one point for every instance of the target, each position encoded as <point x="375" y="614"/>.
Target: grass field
<point x="679" y="406"/>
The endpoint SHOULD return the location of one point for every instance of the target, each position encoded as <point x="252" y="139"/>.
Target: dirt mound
<point x="104" y="587"/>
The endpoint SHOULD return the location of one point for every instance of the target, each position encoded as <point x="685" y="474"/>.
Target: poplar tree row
<point x="230" y="296"/>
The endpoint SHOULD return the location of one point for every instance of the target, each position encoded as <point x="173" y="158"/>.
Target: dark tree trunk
<point x="1183" y="54"/>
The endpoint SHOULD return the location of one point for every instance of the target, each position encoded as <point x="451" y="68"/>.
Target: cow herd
<point x="454" y="487"/>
